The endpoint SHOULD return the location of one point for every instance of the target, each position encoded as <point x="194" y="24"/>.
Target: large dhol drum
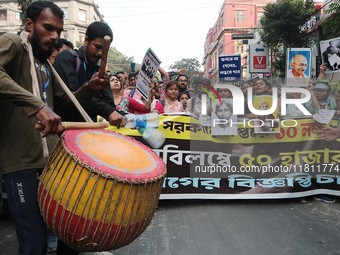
<point x="100" y="189"/>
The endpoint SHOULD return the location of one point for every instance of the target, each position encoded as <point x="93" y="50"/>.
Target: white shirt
<point x="292" y="81"/>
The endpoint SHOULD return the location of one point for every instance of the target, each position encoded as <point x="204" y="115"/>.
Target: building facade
<point x="235" y="17"/>
<point x="309" y="27"/>
<point x="78" y="15"/>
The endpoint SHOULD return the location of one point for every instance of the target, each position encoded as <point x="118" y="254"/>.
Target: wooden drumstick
<point x="106" y="46"/>
<point x="76" y="125"/>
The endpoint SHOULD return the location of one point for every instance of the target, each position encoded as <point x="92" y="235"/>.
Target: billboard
<point x="258" y="58"/>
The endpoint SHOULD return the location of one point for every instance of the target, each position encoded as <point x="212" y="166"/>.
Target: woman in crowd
<point x="194" y="104"/>
<point x="261" y="88"/>
<point x="224" y="93"/>
<point x="131" y="91"/>
<point x="244" y="87"/>
<point x="184" y="98"/>
<point x="170" y="103"/>
<point x="125" y="103"/>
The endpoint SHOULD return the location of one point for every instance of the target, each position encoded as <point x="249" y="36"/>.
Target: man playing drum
<point x="28" y="92"/>
<point x="77" y="67"/>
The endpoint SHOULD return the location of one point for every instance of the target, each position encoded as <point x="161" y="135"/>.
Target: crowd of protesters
<point x="177" y="93"/>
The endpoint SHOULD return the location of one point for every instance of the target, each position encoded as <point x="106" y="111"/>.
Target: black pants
<point x="22" y="192"/>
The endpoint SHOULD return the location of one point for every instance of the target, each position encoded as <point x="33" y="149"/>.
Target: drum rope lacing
<point x="104" y="226"/>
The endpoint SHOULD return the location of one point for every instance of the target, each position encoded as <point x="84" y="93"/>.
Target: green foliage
<point x="117" y="61"/>
<point x="79" y="44"/>
<point x="331" y="25"/>
<point x="23" y="4"/>
<point x="281" y="28"/>
<point x="191" y="64"/>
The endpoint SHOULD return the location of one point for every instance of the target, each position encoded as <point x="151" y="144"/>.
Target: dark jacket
<point x="102" y="104"/>
<point x="20" y="143"/>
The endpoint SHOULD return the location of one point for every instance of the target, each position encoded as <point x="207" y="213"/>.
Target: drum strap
<point x="35" y="85"/>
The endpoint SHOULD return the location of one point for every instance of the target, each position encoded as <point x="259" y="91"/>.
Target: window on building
<point x="17" y="15"/>
<point x="214" y="59"/>
<point x="82" y="15"/>
<point x="3" y="14"/>
<point x="237" y="49"/>
<point x="239" y="16"/>
<point x="94" y="17"/>
<point x="259" y="15"/>
<point x="242" y="49"/>
<point x="81" y="37"/>
<point x="222" y="20"/>
<point x="65" y="10"/>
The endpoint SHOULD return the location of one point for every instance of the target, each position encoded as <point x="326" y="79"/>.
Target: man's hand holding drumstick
<point x="50" y="120"/>
<point x="96" y="82"/>
<point x="115" y="119"/>
<point x="99" y="80"/>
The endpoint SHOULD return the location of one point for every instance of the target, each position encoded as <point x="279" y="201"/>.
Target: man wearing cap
<point x="323" y="95"/>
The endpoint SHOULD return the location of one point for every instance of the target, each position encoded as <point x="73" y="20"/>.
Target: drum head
<point x="114" y="154"/>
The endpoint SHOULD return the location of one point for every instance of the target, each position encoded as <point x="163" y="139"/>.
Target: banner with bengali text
<point x="292" y="163"/>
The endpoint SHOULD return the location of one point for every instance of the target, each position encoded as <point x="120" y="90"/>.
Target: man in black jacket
<point x="77" y="67"/>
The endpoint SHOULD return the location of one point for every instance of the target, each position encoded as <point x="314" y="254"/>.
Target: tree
<point x="282" y="28"/>
<point x="331" y="25"/>
<point x="191" y="64"/>
<point x="79" y="44"/>
<point x="23" y="4"/>
<point x="117" y="61"/>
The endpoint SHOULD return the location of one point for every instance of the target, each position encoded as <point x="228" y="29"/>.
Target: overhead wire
<point x="142" y="14"/>
<point x="153" y="6"/>
<point x="159" y="12"/>
<point x="178" y="10"/>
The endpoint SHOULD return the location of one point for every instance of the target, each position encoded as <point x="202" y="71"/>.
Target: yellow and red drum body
<point x="100" y="189"/>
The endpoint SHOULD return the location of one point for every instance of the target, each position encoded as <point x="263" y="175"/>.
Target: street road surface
<point x="233" y="227"/>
